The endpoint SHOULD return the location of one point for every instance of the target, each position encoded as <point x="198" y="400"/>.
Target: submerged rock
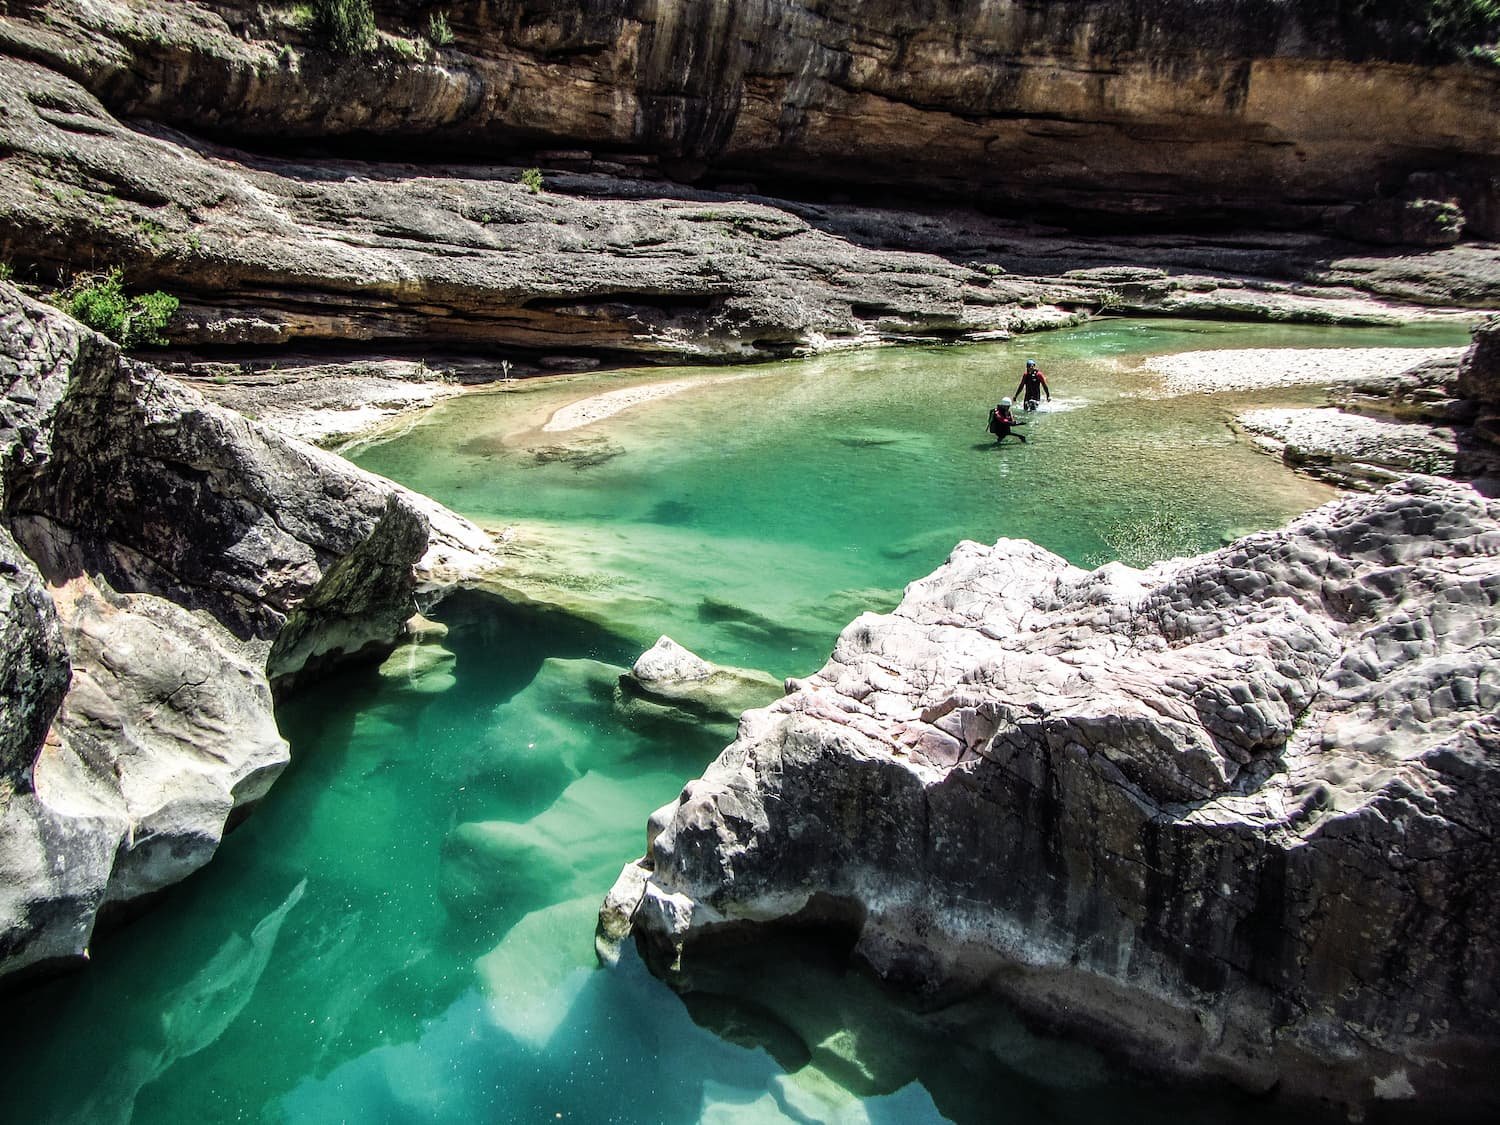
<point x="1234" y="816"/>
<point x="670" y="684"/>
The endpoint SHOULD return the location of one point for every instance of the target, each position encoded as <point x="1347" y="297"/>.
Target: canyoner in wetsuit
<point x="1002" y="421"/>
<point x="1034" y="384"/>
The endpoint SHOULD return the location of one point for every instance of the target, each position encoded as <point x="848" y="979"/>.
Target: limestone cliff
<point x="1287" y="112"/>
<point x="1233" y="816"/>
<point x="365" y="238"/>
<point x="170" y="542"/>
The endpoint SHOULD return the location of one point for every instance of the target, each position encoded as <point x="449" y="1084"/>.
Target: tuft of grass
<point x="439" y="34"/>
<point x="531" y="180"/>
<point x="1149" y="538"/>
<point x="346" y="27"/>
<point x="100" y="302"/>
<point x="7" y="271"/>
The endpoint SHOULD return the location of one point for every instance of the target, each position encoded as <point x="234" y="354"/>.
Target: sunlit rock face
<point x="163" y="549"/>
<point x="1293" y="112"/>
<point x="1234" y="816"/>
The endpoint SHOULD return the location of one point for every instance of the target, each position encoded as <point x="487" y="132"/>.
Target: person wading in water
<point x="1034" y="385"/>
<point x="1002" y="421"/>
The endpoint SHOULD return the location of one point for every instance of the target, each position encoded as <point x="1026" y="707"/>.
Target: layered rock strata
<point x="1288" y="112"/>
<point x="380" y="252"/>
<point x="170" y="549"/>
<point x="1233" y="816"/>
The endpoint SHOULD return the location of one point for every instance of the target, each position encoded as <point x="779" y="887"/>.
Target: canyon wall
<point x="292" y="196"/>
<point x="1262" y="111"/>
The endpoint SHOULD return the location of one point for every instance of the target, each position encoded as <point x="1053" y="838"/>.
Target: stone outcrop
<point x="1233" y="816"/>
<point x="34" y="668"/>
<point x="170" y="548"/>
<point x="1437" y="416"/>
<point x="1479" y="381"/>
<point x="670" y="684"/>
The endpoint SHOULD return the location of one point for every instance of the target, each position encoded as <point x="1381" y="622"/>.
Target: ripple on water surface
<point x="403" y="931"/>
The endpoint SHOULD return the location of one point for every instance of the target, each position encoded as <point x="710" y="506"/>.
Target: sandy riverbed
<point x="1248" y="369"/>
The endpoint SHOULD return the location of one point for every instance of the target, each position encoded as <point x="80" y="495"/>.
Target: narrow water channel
<point x="403" y="931"/>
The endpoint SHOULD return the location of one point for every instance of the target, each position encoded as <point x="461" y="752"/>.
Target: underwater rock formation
<point x="1232" y="816"/>
<point x="670" y="684"/>
<point x="170" y="547"/>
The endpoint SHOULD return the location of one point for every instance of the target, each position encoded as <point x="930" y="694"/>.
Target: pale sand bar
<point x="1248" y="369"/>
<point x="598" y="407"/>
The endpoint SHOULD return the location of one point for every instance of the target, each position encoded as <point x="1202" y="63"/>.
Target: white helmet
<point x="1005" y="402"/>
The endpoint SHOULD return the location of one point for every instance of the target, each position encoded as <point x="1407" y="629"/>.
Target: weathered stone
<point x="177" y="542"/>
<point x="33" y="666"/>
<point x="669" y="683"/>
<point x="276" y="252"/>
<point x="1479" y="379"/>
<point x="1355" y="451"/>
<point x="1427" y="418"/>
<point x="1233" y="816"/>
<point x="1183" y="109"/>
<point x="1405" y="222"/>
<point x="166" y="731"/>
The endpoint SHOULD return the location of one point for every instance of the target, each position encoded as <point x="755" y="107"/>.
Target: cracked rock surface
<point x="1234" y="816"/>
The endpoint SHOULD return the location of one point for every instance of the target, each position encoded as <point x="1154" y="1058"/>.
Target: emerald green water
<point x="403" y="931"/>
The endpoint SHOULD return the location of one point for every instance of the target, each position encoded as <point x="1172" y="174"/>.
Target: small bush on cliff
<point x="531" y="180"/>
<point x="346" y="27"/>
<point x="100" y="303"/>
<point x="439" y="34"/>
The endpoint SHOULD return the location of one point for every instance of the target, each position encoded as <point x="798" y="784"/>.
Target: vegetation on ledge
<point x="100" y="302"/>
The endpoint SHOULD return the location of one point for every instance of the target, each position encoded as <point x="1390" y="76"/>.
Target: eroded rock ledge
<point x="1437" y="417"/>
<point x="1234" y="816"/>
<point x="156" y="552"/>
<point x="115" y="122"/>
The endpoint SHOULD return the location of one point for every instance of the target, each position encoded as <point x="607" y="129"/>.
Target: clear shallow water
<point x="403" y="930"/>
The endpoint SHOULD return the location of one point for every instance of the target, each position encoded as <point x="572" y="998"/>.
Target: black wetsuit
<point x="1033" y="383"/>
<point x="1001" y="422"/>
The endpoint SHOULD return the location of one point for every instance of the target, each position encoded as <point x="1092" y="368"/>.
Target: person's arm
<point x="1019" y="388"/>
<point x="1045" y="387"/>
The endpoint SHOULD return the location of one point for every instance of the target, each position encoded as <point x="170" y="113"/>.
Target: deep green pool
<point x="403" y="931"/>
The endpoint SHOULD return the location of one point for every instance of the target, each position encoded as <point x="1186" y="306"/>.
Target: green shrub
<point x="439" y="34"/>
<point x="346" y="27"/>
<point x="1462" y="25"/>
<point x="7" y="271"/>
<point x="100" y="303"/>
<point x="531" y="180"/>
